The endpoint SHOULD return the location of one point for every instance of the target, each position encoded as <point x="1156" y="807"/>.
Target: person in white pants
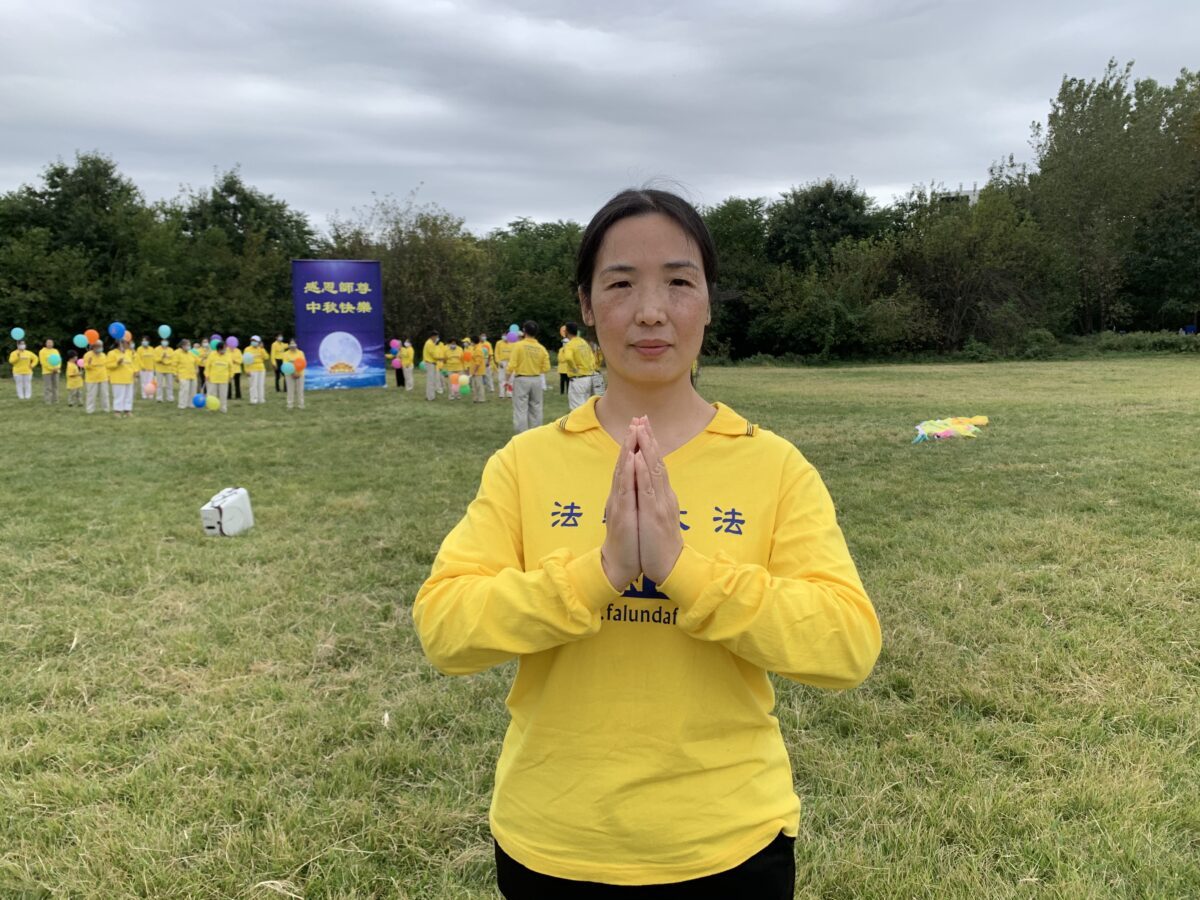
<point x="257" y="371"/>
<point x="22" y="362"/>
<point x="95" y="364"/>
<point x="185" y="372"/>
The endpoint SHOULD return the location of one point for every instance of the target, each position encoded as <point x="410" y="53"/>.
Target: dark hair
<point x="572" y="329"/>
<point x="530" y="328"/>
<point x="632" y="202"/>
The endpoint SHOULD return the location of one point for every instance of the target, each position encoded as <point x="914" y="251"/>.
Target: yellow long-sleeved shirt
<point x="74" y="377"/>
<point x="122" y="366"/>
<point x="184" y="365"/>
<point x="406" y="357"/>
<point x="164" y="360"/>
<point x="293" y="355"/>
<point x="529" y="358"/>
<point x="44" y="360"/>
<point x="478" y="364"/>
<point x="260" y="359"/>
<point x="278" y="348"/>
<point x="560" y="361"/>
<point x="641" y="747"/>
<point x="95" y="367"/>
<point x="145" y="358"/>
<point x="22" y="361"/>
<point x="578" y="358"/>
<point x="503" y="352"/>
<point x="454" y="360"/>
<point x="485" y="347"/>
<point x="218" y="367"/>
<point x="235" y="361"/>
<point x="429" y="353"/>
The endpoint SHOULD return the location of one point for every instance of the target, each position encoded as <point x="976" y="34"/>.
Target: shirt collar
<point x="726" y="421"/>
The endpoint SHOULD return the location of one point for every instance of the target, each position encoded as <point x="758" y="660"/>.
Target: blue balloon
<point x="198" y="401"/>
<point x="18" y="334"/>
<point x="116" y="331"/>
<point x="513" y="329"/>
<point x="55" y="360"/>
<point x="164" y="331"/>
<point x="80" y="341"/>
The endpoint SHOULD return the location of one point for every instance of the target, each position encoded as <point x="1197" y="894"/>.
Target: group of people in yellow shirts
<point x="204" y="371"/>
<point x="514" y="369"/>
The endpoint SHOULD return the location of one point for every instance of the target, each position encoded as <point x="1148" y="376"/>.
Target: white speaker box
<point x="228" y="513"/>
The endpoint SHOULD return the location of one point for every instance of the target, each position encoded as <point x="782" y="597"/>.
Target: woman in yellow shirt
<point x="23" y="362"/>
<point x="255" y="360"/>
<point x="218" y="369"/>
<point x="186" y="365"/>
<point x="406" y="362"/>
<point x="648" y="560"/>
<point x="294" y="380"/>
<point x="74" y="380"/>
<point x="164" y="372"/>
<point x="95" y="377"/>
<point x="452" y="364"/>
<point x="122" y="369"/>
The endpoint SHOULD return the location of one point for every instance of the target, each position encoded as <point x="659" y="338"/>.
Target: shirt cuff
<point x="693" y="572"/>
<point x="590" y="584"/>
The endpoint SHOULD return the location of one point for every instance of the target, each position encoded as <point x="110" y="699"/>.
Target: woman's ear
<point x="585" y="309"/>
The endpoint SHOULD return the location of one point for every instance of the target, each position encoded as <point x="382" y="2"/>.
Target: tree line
<point x="1101" y="233"/>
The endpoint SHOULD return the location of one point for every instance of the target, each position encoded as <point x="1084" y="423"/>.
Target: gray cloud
<point x="544" y="109"/>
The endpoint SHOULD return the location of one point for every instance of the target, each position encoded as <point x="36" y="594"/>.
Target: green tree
<point x="805" y="224"/>
<point x="738" y="226"/>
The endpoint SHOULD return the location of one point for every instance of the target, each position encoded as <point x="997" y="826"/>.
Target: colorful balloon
<point x="164" y="331"/>
<point x="116" y="331"/>
<point x="421" y="365"/>
<point x="92" y="336"/>
<point x="212" y="403"/>
<point x="513" y="329"/>
<point x="17" y="334"/>
<point x="79" y="341"/>
<point x="214" y="343"/>
<point x="231" y="343"/>
<point x="394" y="344"/>
<point x="464" y="388"/>
<point x="247" y="358"/>
<point x="397" y="364"/>
<point x="287" y="368"/>
<point x="510" y="338"/>
<point x="198" y="401"/>
<point x="79" y="362"/>
<point x="152" y="388"/>
<point x="301" y="364"/>
<point x="55" y="360"/>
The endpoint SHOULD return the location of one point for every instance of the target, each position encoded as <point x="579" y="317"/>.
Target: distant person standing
<point x="74" y="380"/>
<point x="145" y="366"/>
<point x="485" y="347"/>
<point x="164" y="372"/>
<point x="278" y="348"/>
<point x="95" y="367"/>
<point x="187" y="364"/>
<point x="295" y="381"/>
<point x="529" y="364"/>
<point x="256" y="370"/>
<point x="429" y="356"/>
<point x="122" y="369"/>
<point x="503" y="355"/>
<point x="406" y="361"/>
<point x="218" y="370"/>
<point x="564" y="378"/>
<point x="235" y="374"/>
<point x="453" y="365"/>
<point x="23" y="362"/>
<point x="581" y="368"/>
<point x="477" y="369"/>
<point x="50" y="370"/>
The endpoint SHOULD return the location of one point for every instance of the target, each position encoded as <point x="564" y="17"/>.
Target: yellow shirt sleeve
<point x="480" y="605"/>
<point x="805" y="615"/>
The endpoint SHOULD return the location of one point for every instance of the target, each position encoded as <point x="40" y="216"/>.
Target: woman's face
<point x="649" y="301"/>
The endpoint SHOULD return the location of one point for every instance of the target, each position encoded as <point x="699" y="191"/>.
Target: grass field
<point x="183" y="716"/>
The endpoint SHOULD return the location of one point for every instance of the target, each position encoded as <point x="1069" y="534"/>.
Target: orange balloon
<point x="467" y="356"/>
<point x="301" y="364"/>
<point x="92" y="335"/>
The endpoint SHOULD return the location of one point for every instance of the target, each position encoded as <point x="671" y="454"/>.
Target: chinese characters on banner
<point x="339" y="322"/>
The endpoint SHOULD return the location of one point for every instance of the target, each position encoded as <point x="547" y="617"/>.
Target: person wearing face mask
<point x="218" y="369"/>
<point x="164" y="372"/>
<point x="95" y="377"/>
<point x="295" y="381"/>
<point x="186" y="365"/>
<point x="235" y="373"/>
<point x="74" y="380"/>
<point x="278" y="348"/>
<point x="122" y="368"/>
<point x="406" y="361"/>
<point x="50" y="371"/>
<point x="649" y="559"/>
<point x="256" y="370"/>
<point x="429" y="356"/>
<point x="145" y="365"/>
<point x="23" y="362"/>
<point x="527" y="368"/>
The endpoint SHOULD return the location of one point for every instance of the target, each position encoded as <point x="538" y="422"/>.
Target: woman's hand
<point x="660" y="540"/>
<point x="619" y="553"/>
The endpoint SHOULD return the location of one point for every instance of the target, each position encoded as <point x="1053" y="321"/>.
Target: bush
<point x="977" y="351"/>
<point x="1039" y="344"/>
<point x="1147" y="342"/>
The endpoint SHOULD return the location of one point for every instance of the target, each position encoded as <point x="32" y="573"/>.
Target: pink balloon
<point x="395" y="344"/>
<point x="396" y="364"/>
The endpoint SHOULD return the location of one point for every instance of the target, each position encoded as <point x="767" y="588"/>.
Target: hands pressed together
<point x="642" y="513"/>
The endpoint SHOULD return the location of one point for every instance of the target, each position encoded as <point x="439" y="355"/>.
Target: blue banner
<point x="339" y="322"/>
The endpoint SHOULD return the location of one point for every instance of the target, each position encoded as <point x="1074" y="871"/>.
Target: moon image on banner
<point x="341" y="353"/>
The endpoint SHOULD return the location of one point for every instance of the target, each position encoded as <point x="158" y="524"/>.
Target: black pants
<point x="563" y="379"/>
<point x="769" y="874"/>
<point x="236" y="394"/>
<point x="278" y="374"/>
<point x="399" y="377"/>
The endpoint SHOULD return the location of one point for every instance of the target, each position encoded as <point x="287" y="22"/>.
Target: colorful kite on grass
<point x="940" y="429"/>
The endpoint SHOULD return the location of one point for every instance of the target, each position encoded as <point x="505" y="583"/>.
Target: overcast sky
<point x="544" y="109"/>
